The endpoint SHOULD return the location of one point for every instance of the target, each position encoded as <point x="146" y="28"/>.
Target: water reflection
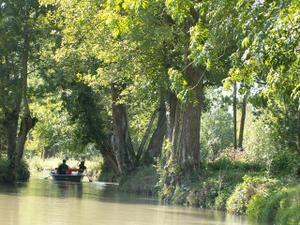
<point x="67" y="189"/>
<point x="59" y="203"/>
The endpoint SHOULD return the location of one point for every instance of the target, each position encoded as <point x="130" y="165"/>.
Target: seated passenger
<point x="63" y="168"/>
<point x="82" y="167"/>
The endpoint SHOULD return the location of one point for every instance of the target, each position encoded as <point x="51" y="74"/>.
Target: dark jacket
<point x="62" y="168"/>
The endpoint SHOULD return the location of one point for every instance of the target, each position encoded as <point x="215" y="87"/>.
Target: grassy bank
<point x="276" y="204"/>
<point x="230" y="185"/>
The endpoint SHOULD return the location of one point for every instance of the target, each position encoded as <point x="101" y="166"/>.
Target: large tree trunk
<point x="242" y="124"/>
<point x="11" y="124"/>
<point x="27" y="121"/>
<point x="121" y="140"/>
<point x="186" y="132"/>
<point x="234" y="115"/>
<point x="16" y="139"/>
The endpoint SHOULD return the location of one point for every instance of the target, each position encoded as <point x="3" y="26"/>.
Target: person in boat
<point x="82" y="167"/>
<point x="63" y="168"/>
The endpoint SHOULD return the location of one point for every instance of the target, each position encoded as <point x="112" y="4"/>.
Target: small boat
<point x="67" y="177"/>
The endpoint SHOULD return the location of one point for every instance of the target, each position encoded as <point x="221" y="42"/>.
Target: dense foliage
<point x="189" y="87"/>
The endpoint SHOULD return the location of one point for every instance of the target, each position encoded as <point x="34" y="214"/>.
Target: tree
<point x="267" y="64"/>
<point x="18" y="28"/>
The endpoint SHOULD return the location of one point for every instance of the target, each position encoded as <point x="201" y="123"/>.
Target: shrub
<point x="238" y="201"/>
<point x="288" y="216"/>
<point x="4" y="168"/>
<point x="289" y="208"/>
<point x="221" y="199"/>
<point x="277" y="205"/>
<point x="169" y="173"/>
<point x="263" y="205"/>
<point x="260" y="144"/>
<point x="208" y="192"/>
<point x="225" y="163"/>
<point x="23" y="173"/>
<point x="285" y="163"/>
<point x="180" y="196"/>
<point x="202" y="193"/>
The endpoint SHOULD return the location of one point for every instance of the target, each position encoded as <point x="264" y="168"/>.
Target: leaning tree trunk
<point x="121" y="140"/>
<point x="186" y="132"/>
<point x="242" y="125"/>
<point x="140" y="153"/>
<point x="155" y="145"/>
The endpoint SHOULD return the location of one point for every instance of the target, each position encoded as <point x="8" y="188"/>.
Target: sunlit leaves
<point x="179" y="9"/>
<point x="178" y="83"/>
<point x="135" y="4"/>
<point x="245" y="42"/>
<point x="199" y="34"/>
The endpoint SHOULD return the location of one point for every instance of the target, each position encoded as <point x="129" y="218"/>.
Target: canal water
<point x="46" y="202"/>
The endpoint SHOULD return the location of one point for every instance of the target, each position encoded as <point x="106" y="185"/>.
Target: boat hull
<point x="67" y="177"/>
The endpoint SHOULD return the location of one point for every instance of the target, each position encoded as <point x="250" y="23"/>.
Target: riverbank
<point x="229" y="185"/>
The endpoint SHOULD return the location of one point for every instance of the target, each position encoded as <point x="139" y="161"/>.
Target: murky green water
<point x="45" y="202"/>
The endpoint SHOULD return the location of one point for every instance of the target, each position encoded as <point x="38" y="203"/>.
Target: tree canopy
<point x="139" y="79"/>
